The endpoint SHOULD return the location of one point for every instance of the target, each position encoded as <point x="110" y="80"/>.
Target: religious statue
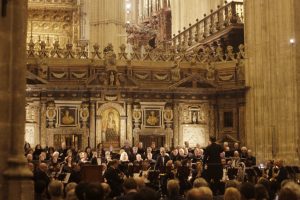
<point x="67" y="119"/>
<point x="111" y="78"/>
<point x="194" y="117"/>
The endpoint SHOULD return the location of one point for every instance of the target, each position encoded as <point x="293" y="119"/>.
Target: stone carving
<point x="141" y="76"/>
<point x="109" y="57"/>
<point x="56" y="52"/>
<point x="58" y="75"/>
<point x="84" y="114"/>
<point x="211" y="72"/>
<point x="175" y="71"/>
<point x="168" y="114"/>
<point x="229" y="54"/>
<point x="161" y="77"/>
<point x="51" y="114"/>
<point x="96" y="53"/>
<point x="79" y="75"/>
<point x="136" y="115"/>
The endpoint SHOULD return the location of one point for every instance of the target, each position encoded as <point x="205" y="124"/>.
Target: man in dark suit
<point x="113" y="177"/>
<point x="212" y="159"/>
<point x="162" y="160"/>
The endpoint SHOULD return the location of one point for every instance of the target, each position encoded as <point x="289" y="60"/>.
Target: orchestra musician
<point x="162" y="160"/>
<point x="114" y="178"/>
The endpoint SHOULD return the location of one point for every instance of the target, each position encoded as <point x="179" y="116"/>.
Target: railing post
<point x="227" y="18"/>
<point x="185" y="39"/>
<point x="190" y="40"/>
<point x="212" y="23"/>
<point x="179" y="38"/>
<point x="220" y="18"/>
<point x="233" y="19"/>
<point x="206" y="29"/>
<point x="197" y="32"/>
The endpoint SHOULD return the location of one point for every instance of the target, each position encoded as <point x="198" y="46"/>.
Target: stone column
<point x="92" y="124"/>
<point x="176" y="124"/>
<point x="99" y="138"/>
<point x="129" y="123"/>
<point x="15" y="181"/>
<point x="44" y="140"/>
<point x="272" y="74"/>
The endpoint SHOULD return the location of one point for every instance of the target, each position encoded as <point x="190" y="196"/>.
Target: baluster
<point x="212" y="23"/>
<point x="190" y="40"/>
<point x="233" y="13"/>
<point x="174" y="39"/>
<point x="179" y="38"/>
<point x="185" y="39"/>
<point x="206" y="28"/>
<point x="197" y="32"/>
<point x="220" y="18"/>
<point x="227" y="17"/>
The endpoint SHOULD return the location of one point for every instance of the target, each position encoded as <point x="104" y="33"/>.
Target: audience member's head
<point x="140" y="181"/>
<point x="55" y="189"/>
<point x="289" y="191"/>
<point x="71" y="195"/>
<point x="202" y="193"/>
<point x="94" y="192"/>
<point x="261" y="192"/>
<point x="200" y="182"/>
<point x="106" y="190"/>
<point x="146" y="194"/>
<point x="232" y="194"/>
<point x="173" y="188"/>
<point x="232" y="183"/>
<point x="70" y="186"/>
<point x="129" y="185"/>
<point x="80" y="190"/>
<point x="247" y="190"/>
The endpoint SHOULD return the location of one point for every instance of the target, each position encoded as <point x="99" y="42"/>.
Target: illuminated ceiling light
<point x="127" y="11"/>
<point x="128" y="5"/>
<point x="128" y="22"/>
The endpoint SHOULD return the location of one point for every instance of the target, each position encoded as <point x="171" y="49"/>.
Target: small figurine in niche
<point x="194" y="118"/>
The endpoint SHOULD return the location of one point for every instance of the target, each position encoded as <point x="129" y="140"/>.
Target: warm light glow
<point x="292" y="41"/>
<point x="128" y="22"/>
<point x="128" y="5"/>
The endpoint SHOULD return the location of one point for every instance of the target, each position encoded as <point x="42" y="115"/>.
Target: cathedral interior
<point x="84" y="72"/>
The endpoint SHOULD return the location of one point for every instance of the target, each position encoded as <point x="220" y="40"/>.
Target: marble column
<point x="272" y="74"/>
<point x="92" y="124"/>
<point x="44" y="141"/>
<point x="129" y="123"/>
<point x="15" y="178"/>
<point x="176" y="124"/>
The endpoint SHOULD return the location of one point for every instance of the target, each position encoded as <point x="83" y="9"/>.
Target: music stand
<point x="91" y="173"/>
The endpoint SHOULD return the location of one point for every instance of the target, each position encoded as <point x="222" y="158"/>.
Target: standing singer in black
<point x="212" y="159"/>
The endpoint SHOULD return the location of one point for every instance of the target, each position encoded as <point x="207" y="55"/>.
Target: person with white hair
<point x="124" y="157"/>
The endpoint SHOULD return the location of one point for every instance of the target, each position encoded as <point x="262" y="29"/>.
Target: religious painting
<point x="194" y="134"/>
<point x="152" y="117"/>
<point x="68" y="116"/>
<point x="111" y="125"/>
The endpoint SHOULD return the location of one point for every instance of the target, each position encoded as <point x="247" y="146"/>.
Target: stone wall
<point x="272" y="103"/>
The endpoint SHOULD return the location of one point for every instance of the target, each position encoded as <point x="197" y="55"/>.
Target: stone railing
<point x="230" y="14"/>
<point x="204" y="54"/>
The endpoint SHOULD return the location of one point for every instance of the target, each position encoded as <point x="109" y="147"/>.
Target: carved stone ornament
<point x="137" y="114"/>
<point x="168" y="115"/>
<point x="51" y="114"/>
<point x="84" y="113"/>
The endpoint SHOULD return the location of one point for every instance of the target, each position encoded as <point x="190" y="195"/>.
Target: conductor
<point x="212" y="159"/>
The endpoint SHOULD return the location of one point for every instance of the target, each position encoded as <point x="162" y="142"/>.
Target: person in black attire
<point x="282" y="172"/>
<point x="37" y="151"/>
<point x="113" y="177"/>
<point x="250" y="160"/>
<point x="212" y="159"/>
<point x="41" y="174"/>
<point x="162" y="160"/>
<point x="141" y="150"/>
<point x="127" y="148"/>
<point x="62" y="152"/>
